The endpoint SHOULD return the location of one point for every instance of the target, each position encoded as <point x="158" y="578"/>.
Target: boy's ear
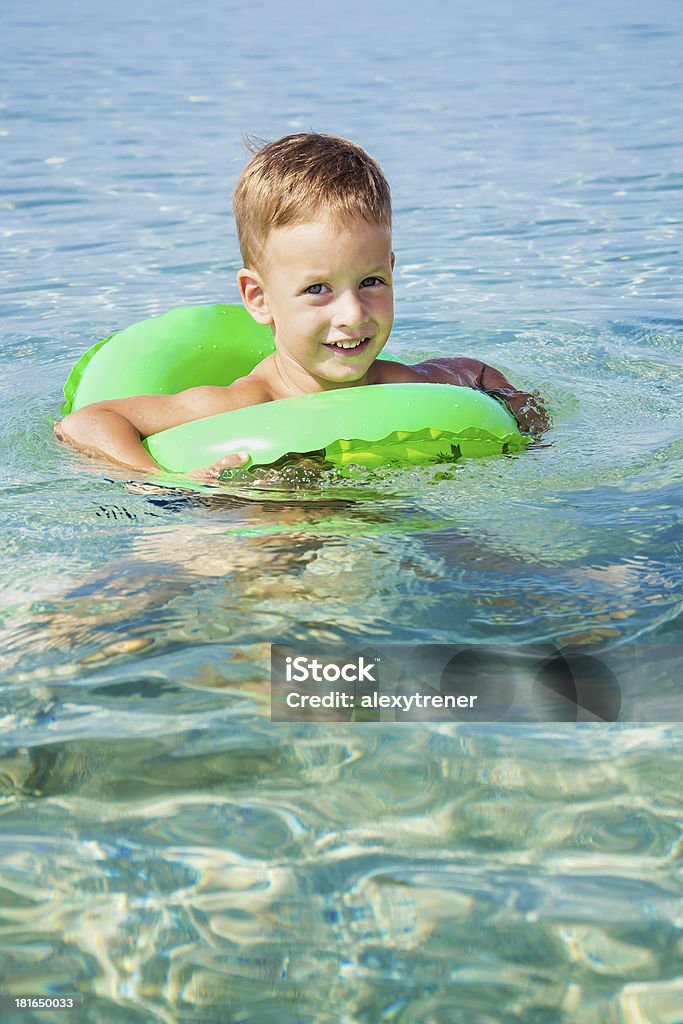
<point x="393" y="259"/>
<point x="253" y="296"/>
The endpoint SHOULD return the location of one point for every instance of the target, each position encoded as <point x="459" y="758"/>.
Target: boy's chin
<point x="345" y="375"/>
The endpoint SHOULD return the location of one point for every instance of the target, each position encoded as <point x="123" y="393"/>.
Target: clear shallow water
<point x="164" y="848"/>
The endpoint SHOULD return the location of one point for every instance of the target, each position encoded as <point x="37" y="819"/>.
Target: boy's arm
<point x="114" y="429"/>
<point x="527" y="408"/>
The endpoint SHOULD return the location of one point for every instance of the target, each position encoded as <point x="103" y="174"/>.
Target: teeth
<point x="349" y="344"/>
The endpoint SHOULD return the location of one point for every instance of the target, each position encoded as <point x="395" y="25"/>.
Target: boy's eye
<point x="315" y="289"/>
<point x="370" y="282"/>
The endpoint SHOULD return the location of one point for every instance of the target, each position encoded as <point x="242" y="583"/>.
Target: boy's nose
<point x="349" y="312"/>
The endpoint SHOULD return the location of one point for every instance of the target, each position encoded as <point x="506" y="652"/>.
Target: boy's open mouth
<point x="352" y="346"/>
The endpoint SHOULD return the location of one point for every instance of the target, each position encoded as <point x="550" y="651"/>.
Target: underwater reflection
<point x="220" y="567"/>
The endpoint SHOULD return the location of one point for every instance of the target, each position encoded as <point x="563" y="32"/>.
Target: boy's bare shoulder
<point x="462" y="371"/>
<point x="210" y="399"/>
<point x="385" y="371"/>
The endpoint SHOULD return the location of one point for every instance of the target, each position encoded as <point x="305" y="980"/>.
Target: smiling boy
<point x="313" y="216"/>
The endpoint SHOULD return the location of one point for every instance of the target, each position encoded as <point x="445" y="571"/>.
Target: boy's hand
<point x="211" y="474"/>
<point x="114" y="429"/>
<point x="527" y="408"/>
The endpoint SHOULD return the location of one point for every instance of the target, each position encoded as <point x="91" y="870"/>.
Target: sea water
<point x="169" y="853"/>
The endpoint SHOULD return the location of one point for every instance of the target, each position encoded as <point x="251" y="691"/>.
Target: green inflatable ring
<point x="367" y="425"/>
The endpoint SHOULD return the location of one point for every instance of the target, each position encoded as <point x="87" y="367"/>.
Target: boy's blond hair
<point x="301" y="177"/>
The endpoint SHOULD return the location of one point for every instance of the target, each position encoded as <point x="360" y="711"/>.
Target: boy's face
<point x="327" y="292"/>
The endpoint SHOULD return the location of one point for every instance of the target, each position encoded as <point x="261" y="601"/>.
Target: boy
<point x="313" y="216"/>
